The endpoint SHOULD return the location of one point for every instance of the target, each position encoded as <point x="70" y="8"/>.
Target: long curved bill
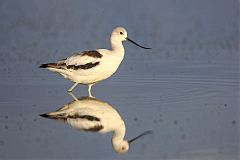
<point x="141" y="135"/>
<point x="136" y="43"/>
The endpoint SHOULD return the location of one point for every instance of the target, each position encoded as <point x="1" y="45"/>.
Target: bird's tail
<point x="49" y="65"/>
<point x="58" y="115"/>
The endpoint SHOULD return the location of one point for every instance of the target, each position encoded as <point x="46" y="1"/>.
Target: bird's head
<point x="121" y="147"/>
<point x="120" y="34"/>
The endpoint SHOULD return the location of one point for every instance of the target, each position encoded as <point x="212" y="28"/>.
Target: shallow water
<point x="185" y="89"/>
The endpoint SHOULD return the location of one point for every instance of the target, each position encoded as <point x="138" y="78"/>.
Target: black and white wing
<point x="85" y="122"/>
<point x="82" y="60"/>
<point x="77" y="120"/>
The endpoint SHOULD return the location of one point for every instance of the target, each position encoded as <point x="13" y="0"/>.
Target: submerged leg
<point x="89" y="90"/>
<point x="73" y="86"/>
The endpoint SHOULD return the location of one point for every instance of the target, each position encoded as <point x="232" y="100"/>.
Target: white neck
<point x="118" y="134"/>
<point x="117" y="45"/>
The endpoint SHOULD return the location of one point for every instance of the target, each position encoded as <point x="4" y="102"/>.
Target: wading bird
<point x="91" y="67"/>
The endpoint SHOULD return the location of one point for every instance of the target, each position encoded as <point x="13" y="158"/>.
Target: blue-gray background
<point x="185" y="88"/>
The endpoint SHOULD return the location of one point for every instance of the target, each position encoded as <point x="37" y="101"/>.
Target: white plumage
<point x="91" y="114"/>
<point x="90" y="67"/>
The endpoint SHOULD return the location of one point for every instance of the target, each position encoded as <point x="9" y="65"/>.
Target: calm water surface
<point x="186" y="89"/>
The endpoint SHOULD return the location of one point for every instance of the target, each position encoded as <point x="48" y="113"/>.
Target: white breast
<point x="108" y="65"/>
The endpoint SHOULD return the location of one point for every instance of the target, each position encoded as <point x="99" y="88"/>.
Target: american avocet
<point x="91" y="114"/>
<point x="90" y="67"/>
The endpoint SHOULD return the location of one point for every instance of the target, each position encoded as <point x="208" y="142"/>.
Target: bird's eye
<point x="121" y="33"/>
<point x="123" y="148"/>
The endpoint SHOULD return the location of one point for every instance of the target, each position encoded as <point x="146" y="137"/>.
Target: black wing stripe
<point x="87" y="117"/>
<point x="92" y="53"/>
<point x="64" y="66"/>
<point x="84" y="66"/>
<point x="94" y="129"/>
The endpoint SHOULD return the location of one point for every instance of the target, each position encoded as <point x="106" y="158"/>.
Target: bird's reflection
<point x="92" y="114"/>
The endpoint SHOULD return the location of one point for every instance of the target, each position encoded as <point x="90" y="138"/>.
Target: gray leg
<point x="73" y="86"/>
<point x="89" y="90"/>
<point x="73" y="96"/>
